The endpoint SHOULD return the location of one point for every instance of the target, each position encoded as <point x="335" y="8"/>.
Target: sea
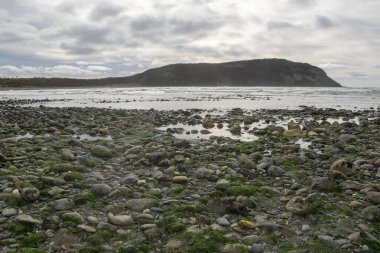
<point x="206" y="98"/>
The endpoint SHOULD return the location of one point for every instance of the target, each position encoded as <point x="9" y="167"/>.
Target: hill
<point x="262" y="72"/>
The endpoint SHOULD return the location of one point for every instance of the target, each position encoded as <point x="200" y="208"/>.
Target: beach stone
<point x="235" y="130"/>
<point x="257" y="248"/>
<point x="52" y="181"/>
<point x="292" y="133"/>
<point x="251" y="239"/>
<point x="342" y="166"/>
<point x="86" y="228"/>
<point x="139" y="205"/>
<point x="73" y="216"/>
<point x="374" y="197"/>
<point x="29" y="193"/>
<point x="180" y="179"/>
<point x="298" y="205"/>
<point x="9" y="212"/>
<point x="275" y="171"/>
<point x="101" y="189"/>
<point x="24" y="218"/>
<point x="223" y="222"/>
<point x="63" y="204"/>
<point x="235" y="248"/>
<point x="100" y="151"/>
<point x="246" y="224"/>
<point x="120" y="219"/>
<point x="294" y="126"/>
<point x="67" y="155"/>
<point x="222" y="184"/>
<point x="208" y="124"/>
<point x="305" y="228"/>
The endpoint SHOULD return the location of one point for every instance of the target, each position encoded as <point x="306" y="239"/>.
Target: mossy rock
<point x="100" y="151"/>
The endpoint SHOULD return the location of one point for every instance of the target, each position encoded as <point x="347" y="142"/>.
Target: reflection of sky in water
<point x="166" y="98"/>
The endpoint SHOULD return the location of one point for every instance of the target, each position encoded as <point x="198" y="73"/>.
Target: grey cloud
<point x="77" y="50"/>
<point x="105" y="10"/>
<point x="303" y="3"/>
<point x="87" y="34"/>
<point x="357" y="74"/>
<point x="273" y="25"/>
<point x="181" y="26"/>
<point x="324" y="22"/>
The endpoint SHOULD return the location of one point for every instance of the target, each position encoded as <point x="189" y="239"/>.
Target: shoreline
<point x="80" y="179"/>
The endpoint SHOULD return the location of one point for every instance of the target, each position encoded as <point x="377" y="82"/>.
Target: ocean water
<point x="209" y="98"/>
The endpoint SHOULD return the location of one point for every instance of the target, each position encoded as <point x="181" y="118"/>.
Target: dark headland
<point x="261" y="72"/>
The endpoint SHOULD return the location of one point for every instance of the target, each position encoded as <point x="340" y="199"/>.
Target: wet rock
<point x="63" y="204"/>
<point x="9" y="212"/>
<point x="139" y="205"/>
<point x="101" y="190"/>
<point x="120" y="219"/>
<point x="222" y="184"/>
<point x="223" y="222"/>
<point x="235" y="248"/>
<point x="246" y="224"/>
<point x="342" y="166"/>
<point x="257" y="248"/>
<point x="67" y="154"/>
<point x="73" y="216"/>
<point x="29" y="193"/>
<point x="374" y="197"/>
<point x="24" y="218"/>
<point x="292" y="133"/>
<point x="100" y="151"/>
<point x="275" y="171"/>
<point x="180" y="179"/>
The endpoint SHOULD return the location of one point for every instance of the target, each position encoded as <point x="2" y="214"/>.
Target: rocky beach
<point x="113" y="180"/>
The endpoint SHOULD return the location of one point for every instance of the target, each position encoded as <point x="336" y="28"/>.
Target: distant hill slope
<point x="263" y="72"/>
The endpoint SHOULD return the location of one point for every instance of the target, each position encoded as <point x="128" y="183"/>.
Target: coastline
<point x="87" y="178"/>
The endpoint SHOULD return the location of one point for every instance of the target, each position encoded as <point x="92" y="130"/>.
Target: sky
<point x="92" y="39"/>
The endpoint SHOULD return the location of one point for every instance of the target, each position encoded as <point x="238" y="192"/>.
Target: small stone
<point x="374" y="197"/>
<point x="24" y="218"/>
<point x="180" y="179"/>
<point x="275" y="171"/>
<point x="235" y="248"/>
<point x="63" y="204"/>
<point x="30" y="193"/>
<point x="120" y="219"/>
<point x="101" y="151"/>
<point x="223" y="222"/>
<point x="73" y="216"/>
<point x="354" y="237"/>
<point x="86" y="228"/>
<point x="247" y="224"/>
<point x="222" y="184"/>
<point x="67" y="154"/>
<point x="257" y="248"/>
<point x="140" y="205"/>
<point x="101" y="189"/>
<point x="305" y="228"/>
<point x="93" y="220"/>
<point x="292" y="133"/>
<point x="9" y="212"/>
<point x="251" y="239"/>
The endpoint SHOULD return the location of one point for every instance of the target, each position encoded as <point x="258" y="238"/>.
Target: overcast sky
<point x="82" y="38"/>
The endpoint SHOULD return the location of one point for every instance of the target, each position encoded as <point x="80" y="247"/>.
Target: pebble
<point x="63" y="204"/>
<point x="9" y="212"/>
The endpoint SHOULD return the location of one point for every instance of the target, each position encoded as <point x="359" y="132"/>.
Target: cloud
<point x="105" y="10"/>
<point x="274" y="25"/>
<point x="147" y="33"/>
<point x="357" y="74"/>
<point x="303" y="3"/>
<point x="52" y="71"/>
<point x="324" y="22"/>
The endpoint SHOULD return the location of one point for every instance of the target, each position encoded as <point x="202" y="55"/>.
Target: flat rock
<point x="101" y="189"/>
<point x="24" y="218"/>
<point x="374" y="197"/>
<point x="9" y="212"/>
<point x="63" y="204"/>
<point x="100" y="151"/>
<point x="139" y="205"/>
<point x="180" y="179"/>
<point x="120" y="219"/>
<point x="275" y="171"/>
